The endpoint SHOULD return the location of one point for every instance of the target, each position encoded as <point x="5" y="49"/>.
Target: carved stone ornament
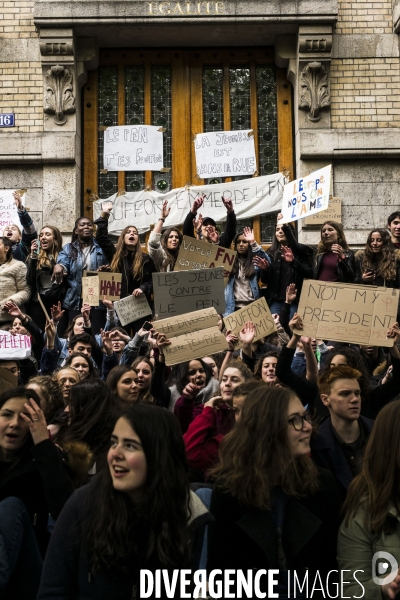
<point x="314" y="93"/>
<point x="59" y="100"/>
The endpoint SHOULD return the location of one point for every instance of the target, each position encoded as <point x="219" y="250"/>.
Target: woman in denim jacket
<point x="250" y="262"/>
<point x="83" y="253"/>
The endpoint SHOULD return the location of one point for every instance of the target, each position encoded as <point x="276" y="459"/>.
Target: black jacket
<point x="301" y="267"/>
<point x="226" y="238"/>
<point x="327" y="453"/>
<point x="55" y="293"/>
<point x="128" y="284"/>
<point x="42" y="481"/>
<point x="245" y="538"/>
<point x="345" y="267"/>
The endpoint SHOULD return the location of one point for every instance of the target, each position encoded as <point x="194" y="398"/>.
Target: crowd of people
<point x="263" y="456"/>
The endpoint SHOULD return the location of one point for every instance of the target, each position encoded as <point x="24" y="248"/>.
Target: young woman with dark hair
<point x="372" y="510"/>
<point x="126" y="258"/>
<point x="123" y="384"/>
<point x="273" y="508"/>
<point x="50" y="394"/>
<point x="83" y="253"/>
<point x="83" y="364"/>
<point x="144" y="369"/>
<point x="164" y="248"/>
<point x="333" y="260"/>
<point x="250" y="263"/>
<point x="136" y="514"/>
<point x="40" y="265"/>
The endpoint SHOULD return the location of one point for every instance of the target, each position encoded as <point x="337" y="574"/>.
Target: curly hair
<point x="259" y="363"/>
<point x="121" y="251"/>
<point x="321" y="248"/>
<point x="355" y="361"/>
<point x="51" y="392"/>
<point x="384" y="262"/>
<point x="256" y="454"/>
<point x="170" y="255"/>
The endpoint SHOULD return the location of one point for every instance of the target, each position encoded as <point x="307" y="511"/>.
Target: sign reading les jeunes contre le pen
<point x="306" y="196"/>
<point x="180" y="292"/>
<point x="343" y="312"/>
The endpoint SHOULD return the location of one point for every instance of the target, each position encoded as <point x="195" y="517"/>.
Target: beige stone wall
<point x="21" y="82"/>
<point x="365" y="83"/>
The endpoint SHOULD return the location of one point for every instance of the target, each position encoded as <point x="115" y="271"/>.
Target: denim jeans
<point x="276" y="307"/>
<point x="20" y="559"/>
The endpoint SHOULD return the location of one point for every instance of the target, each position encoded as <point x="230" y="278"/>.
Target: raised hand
<point x="85" y="311"/>
<point x="228" y="204"/>
<point x="287" y="254"/>
<point x="161" y="340"/>
<point x="107" y="342"/>
<point x="108" y="303"/>
<point x="296" y="322"/>
<point x="248" y="235"/>
<point x="337" y="249"/>
<point x="261" y="263"/>
<point x="279" y="217"/>
<point x="13" y="310"/>
<point x="50" y="331"/>
<point x="291" y="293"/>
<point x="36" y="421"/>
<point x="18" y="201"/>
<point x="107" y="207"/>
<point x="165" y="210"/>
<point x="247" y="333"/>
<point x="231" y="339"/>
<point x="34" y="248"/>
<point x="198" y="222"/>
<point x="56" y="312"/>
<point x="196" y="204"/>
<point x="212" y="234"/>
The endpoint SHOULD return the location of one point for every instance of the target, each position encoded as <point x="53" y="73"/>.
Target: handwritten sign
<point x="196" y="254"/>
<point x="8" y="212"/>
<point x="180" y="292"/>
<point x="225" y="153"/>
<point x="14" y="346"/>
<point x="257" y="312"/>
<point x="194" y="345"/>
<point x="90" y="291"/>
<point x="306" y="196"/>
<point x="193" y="321"/>
<point x="250" y="197"/>
<point x="332" y="213"/>
<point x="133" y="148"/>
<point x="109" y="284"/>
<point x="132" y="308"/>
<point x="358" y="314"/>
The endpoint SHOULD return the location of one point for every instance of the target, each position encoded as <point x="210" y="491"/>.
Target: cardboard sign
<point x="193" y="321"/>
<point x="180" y="292"/>
<point x="250" y="197"/>
<point x="132" y="308"/>
<point x="194" y="345"/>
<point x="133" y="148"/>
<point x="258" y="312"/>
<point x="14" y="346"/>
<point x="8" y="381"/>
<point x="8" y="211"/>
<point x="225" y="153"/>
<point x="306" y="196"/>
<point x="332" y="213"/>
<point x="196" y="254"/>
<point x="90" y="291"/>
<point x="343" y="312"/>
<point x="109" y="284"/>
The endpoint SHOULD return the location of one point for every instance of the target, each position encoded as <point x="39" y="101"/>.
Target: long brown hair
<point x="246" y="260"/>
<point x="256" y="455"/>
<point x="378" y="484"/>
<point x="321" y="248"/>
<point x="43" y="259"/>
<point x="384" y="264"/>
<point x="144" y="396"/>
<point x="121" y="251"/>
<point x="170" y="256"/>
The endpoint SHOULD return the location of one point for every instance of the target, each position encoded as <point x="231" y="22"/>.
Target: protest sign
<point x="225" y="153"/>
<point x="258" y="313"/>
<point x="8" y="381"/>
<point x="344" y="312"/>
<point x="194" y="344"/>
<point x="332" y="213"/>
<point x="196" y="254"/>
<point x="193" y="321"/>
<point x="8" y="211"/>
<point x="250" y="197"/>
<point x="133" y="148"/>
<point x="109" y="283"/>
<point x="90" y="291"/>
<point x="180" y="292"/>
<point x="14" y="346"/>
<point x="306" y="196"/>
<point x="132" y="308"/>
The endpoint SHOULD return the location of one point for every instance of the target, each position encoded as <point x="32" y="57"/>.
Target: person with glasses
<point x="342" y="437"/>
<point x="273" y="508"/>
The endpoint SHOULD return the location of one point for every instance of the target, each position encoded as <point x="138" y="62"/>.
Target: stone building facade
<point x="340" y="59"/>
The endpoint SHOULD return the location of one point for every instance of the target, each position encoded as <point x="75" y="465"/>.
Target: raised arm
<point x="29" y="232"/>
<point x="102" y="237"/>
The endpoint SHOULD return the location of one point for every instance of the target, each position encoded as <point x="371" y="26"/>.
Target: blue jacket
<point x="229" y="296"/>
<point x="73" y="267"/>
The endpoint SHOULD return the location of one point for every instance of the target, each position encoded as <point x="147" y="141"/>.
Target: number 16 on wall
<point x="7" y="120"/>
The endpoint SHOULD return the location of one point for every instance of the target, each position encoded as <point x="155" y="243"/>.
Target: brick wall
<point x="365" y="92"/>
<point x="21" y="89"/>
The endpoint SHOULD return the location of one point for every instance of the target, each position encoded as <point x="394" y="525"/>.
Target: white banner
<point x="225" y="153"/>
<point x="8" y="212"/>
<point x="250" y="197"/>
<point x="133" y="148"/>
<point x="306" y="196"/>
<point x="14" y="346"/>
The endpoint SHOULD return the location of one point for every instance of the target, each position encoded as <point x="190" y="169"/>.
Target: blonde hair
<point x="43" y="258"/>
